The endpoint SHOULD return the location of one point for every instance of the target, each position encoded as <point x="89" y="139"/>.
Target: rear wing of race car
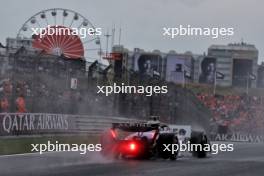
<point x="135" y="127"/>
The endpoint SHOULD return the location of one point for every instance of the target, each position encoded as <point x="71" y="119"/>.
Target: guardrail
<point x="41" y="123"/>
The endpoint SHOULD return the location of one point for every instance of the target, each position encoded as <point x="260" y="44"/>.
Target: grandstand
<point x="32" y="81"/>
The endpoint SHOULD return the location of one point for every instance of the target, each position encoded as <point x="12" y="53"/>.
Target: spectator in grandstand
<point x="21" y="104"/>
<point x="239" y="113"/>
<point x="4" y="104"/>
<point x="7" y="87"/>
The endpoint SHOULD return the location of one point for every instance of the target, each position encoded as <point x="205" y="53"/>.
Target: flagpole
<point x="247" y="83"/>
<point x="183" y="79"/>
<point x="215" y="83"/>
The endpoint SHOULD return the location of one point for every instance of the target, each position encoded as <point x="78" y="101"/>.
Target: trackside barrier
<point x="42" y="123"/>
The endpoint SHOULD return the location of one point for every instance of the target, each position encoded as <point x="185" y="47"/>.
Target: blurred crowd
<point x="23" y="96"/>
<point x="7" y="100"/>
<point x="237" y="113"/>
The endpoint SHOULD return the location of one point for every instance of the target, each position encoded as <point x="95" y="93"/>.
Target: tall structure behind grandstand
<point x="260" y="82"/>
<point x="171" y="66"/>
<point x="238" y="62"/>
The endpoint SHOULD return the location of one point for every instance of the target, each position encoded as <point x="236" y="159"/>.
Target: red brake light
<point x="132" y="146"/>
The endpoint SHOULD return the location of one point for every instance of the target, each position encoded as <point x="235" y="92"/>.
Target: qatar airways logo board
<point x="29" y="123"/>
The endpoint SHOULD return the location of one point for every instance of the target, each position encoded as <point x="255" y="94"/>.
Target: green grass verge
<point x="23" y="144"/>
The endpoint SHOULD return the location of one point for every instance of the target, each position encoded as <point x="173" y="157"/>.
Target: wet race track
<point x="246" y="159"/>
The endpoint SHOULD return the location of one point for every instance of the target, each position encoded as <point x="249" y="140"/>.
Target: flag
<point x="105" y="71"/>
<point x="93" y="65"/>
<point x="2" y="46"/>
<point x="156" y="74"/>
<point x="220" y="75"/>
<point x="252" y="77"/>
<point x="187" y="71"/>
<point x="74" y="83"/>
<point x="178" y="68"/>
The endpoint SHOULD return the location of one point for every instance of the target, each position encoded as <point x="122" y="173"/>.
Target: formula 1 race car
<point x="147" y="140"/>
<point x="137" y="140"/>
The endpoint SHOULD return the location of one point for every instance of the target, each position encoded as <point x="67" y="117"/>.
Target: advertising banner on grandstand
<point x="34" y="123"/>
<point x="148" y="64"/>
<point x="177" y="68"/>
<point x="27" y="124"/>
<point x="208" y="70"/>
<point x="182" y="130"/>
<point x="237" y="137"/>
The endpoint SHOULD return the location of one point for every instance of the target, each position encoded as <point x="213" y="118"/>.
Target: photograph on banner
<point x="178" y="68"/>
<point x="208" y="69"/>
<point x="148" y="64"/>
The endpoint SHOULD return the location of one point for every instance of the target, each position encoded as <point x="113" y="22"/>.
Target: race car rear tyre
<point x="199" y="138"/>
<point x="173" y="157"/>
<point x="167" y="139"/>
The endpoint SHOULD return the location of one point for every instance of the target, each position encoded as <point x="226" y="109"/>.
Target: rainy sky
<point x="142" y="21"/>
